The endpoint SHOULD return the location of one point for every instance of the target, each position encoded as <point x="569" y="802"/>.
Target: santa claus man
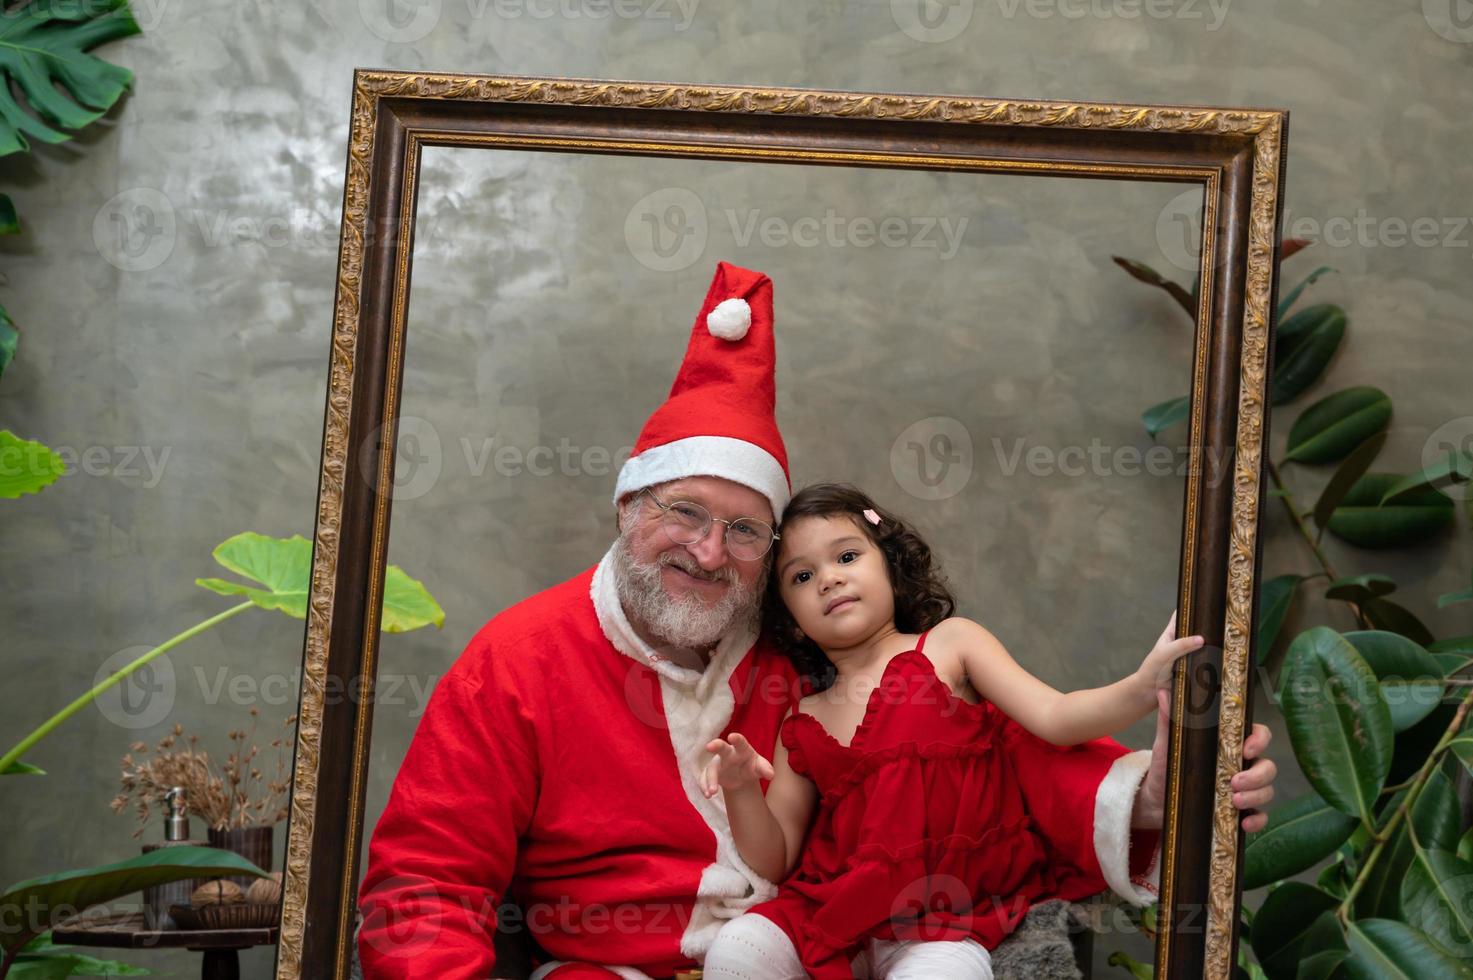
<point x="557" y="761"/>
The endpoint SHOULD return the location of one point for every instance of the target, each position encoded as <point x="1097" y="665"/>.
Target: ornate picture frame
<point x="1235" y="154"/>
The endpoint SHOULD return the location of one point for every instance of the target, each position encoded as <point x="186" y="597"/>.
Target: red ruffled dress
<point x="920" y="832"/>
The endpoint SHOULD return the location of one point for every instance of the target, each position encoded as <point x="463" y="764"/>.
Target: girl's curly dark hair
<point x="922" y="596"/>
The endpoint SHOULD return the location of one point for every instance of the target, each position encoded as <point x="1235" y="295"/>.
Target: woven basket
<point x="241" y="915"/>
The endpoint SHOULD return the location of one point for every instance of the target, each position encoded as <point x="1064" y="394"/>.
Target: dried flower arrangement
<point x="240" y="795"/>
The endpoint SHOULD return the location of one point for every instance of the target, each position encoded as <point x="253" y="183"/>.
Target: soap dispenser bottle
<point x="158" y="898"/>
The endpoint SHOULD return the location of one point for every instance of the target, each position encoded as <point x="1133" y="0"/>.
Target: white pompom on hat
<point x="730" y="319"/>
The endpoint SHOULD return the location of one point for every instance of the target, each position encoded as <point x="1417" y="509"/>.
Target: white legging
<point x="753" y="947"/>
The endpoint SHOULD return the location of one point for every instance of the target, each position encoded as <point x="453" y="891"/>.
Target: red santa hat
<point x="718" y="419"/>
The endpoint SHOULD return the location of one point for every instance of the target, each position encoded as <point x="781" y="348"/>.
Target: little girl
<point x="921" y="854"/>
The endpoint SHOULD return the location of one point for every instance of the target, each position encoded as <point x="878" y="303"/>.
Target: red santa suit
<point x="557" y="761"/>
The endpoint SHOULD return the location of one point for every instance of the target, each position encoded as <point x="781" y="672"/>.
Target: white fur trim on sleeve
<point x="1114" y="802"/>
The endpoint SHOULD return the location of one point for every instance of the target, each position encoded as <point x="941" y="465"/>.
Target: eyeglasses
<point x="746" y="538"/>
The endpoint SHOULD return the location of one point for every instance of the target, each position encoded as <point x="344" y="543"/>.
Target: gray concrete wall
<point x="176" y="277"/>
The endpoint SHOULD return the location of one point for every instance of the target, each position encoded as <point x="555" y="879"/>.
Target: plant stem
<point x="1417" y="783"/>
<point x="1287" y="499"/>
<point x="25" y="744"/>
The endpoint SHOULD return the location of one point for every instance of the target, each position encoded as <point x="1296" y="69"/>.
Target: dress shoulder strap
<point x="921" y="641"/>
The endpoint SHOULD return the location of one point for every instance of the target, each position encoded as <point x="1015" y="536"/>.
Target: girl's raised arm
<point x="769" y="830"/>
<point x="1057" y="717"/>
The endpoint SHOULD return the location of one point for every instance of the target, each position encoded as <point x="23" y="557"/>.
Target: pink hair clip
<point x="871" y="516"/>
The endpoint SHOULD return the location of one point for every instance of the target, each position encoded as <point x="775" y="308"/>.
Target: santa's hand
<point x="1252" y="787"/>
<point x="736" y="765"/>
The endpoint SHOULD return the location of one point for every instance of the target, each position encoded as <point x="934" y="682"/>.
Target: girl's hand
<point x="1155" y="671"/>
<point x="736" y="765"/>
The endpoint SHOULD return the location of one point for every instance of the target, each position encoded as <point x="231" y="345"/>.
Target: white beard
<point x="687" y="621"/>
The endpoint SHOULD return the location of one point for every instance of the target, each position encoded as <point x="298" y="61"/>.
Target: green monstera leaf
<point x="283" y="567"/>
<point x="43" y="46"/>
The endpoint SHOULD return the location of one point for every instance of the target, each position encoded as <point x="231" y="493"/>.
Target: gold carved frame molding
<point x="1235" y="154"/>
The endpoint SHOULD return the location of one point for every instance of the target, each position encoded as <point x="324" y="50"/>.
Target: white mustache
<point x="725" y="575"/>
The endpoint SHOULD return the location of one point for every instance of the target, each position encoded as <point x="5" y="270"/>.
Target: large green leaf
<point x="1160" y="417"/>
<point x="1436" y="896"/>
<point x="26" y="466"/>
<point x="9" y="220"/>
<point x="1303" y="347"/>
<point x="1454" y="467"/>
<point x="1416" y="743"/>
<point x="41" y="959"/>
<point x="1336" y="424"/>
<point x="1452" y="663"/>
<point x="1387" y="615"/>
<point x="408" y="605"/>
<point x="1360" y="588"/>
<point x="1411" y="679"/>
<point x="1414" y="516"/>
<point x="1299" y="834"/>
<point x="1435" y="817"/>
<point x="1282" y="924"/>
<point x="1327" y="964"/>
<point x="1323" y="950"/>
<point x="1346" y="474"/>
<point x="1338" y="722"/>
<point x="284" y="567"/>
<point x="1384" y="949"/>
<point x="1437" y="813"/>
<point x="57" y="896"/>
<point x="1275" y="598"/>
<point x="1453" y="644"/>
<point x="1288" y="300"/>
<point x="43" y="45"/>
<point x="9" y="335"/>
<point x="1335" y="876"/>
<point x="1452" y="598"/>
<point x="1136" y="969"/>
<point x="1462" y="748"/>
<point x="19" y="768"/>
